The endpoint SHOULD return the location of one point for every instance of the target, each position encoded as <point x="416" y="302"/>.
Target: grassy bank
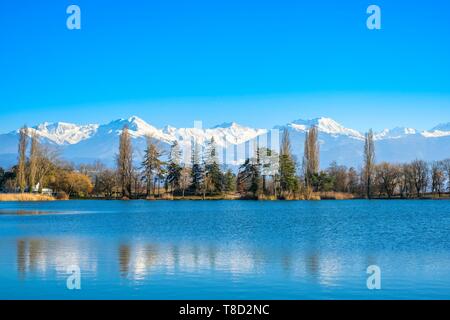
<point x="25" y="197"/>
<point x="233" y="196"/>
<point x="336" y="196"/>
<point x="313" y="196"/>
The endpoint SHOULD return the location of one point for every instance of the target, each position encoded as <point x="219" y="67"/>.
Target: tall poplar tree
<point x="311" y="155"/>
<point x="21" y="167"/>
<point x="369" y="162"/>
<point x="125" y="162"/>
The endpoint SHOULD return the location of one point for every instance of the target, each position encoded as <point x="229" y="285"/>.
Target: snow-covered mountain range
<point x="87" y="143"/>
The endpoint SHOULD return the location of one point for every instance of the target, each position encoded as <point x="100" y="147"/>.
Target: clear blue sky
<point x="259" y="63"/>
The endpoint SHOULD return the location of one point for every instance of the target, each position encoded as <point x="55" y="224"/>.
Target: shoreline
<point x="327" y="196"/>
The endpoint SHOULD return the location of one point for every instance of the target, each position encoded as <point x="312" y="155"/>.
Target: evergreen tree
<point x="229" y="181"/>
<point x="213" y="174"/>
<point x="322" y="181"/>
<point x="249" y="178"/>
<point x="197" y="172"/>
<point x="174" y="168"/>
<point x="288" y="179"/>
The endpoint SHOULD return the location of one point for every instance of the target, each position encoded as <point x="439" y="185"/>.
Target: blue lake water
<point x="225" y="249"/>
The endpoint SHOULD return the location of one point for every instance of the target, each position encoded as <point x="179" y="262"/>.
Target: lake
<point x="225" y="249"/>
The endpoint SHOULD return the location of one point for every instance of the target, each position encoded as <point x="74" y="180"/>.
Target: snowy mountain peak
<point x="325" y="125"/>
<point x="140" y="126"/>
<point x="64" y="133"/>
<point x="396" y="133"/>
<point x="136" y="121"/>
<point x="441" y="130"/>
<point x="137" y="128"/>
<point x="234" y="133"/>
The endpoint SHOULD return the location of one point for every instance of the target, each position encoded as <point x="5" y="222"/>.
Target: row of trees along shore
<point x="266" y="175"/>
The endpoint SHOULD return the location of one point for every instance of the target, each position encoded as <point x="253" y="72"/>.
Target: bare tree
<point x="92" y="170"/>
<point x="138" y="187"/>
<point x="369" y="162"/>
<point x="47" y="157"/>
<point x="21" y="167"/>
<point x="388" y="178"/>
<point x="339" y="175"/>
<point x="419" y="176"/>
<point x="446" y="168"/>
<point x="106" y="182"/>
<point x="437" y="177"/>
<point x="185" y="179"/>
<point x="125" y="162"/>
<point x="353" y="181"/>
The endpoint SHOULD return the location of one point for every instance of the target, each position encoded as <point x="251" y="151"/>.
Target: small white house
<point x="45" y="191"/>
